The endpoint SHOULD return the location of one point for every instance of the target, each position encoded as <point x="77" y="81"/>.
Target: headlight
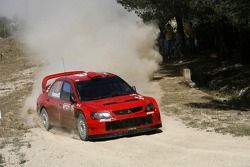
<point x="100" y="115"/>
<point x="150" y="107"/>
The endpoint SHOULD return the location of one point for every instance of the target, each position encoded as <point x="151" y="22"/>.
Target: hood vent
<point x="131" y="100"/>
<point x="106" y="104"/>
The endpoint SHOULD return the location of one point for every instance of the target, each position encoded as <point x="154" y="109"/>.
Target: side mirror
<point x="72" y="99"/>
<point x="134" y="88"/>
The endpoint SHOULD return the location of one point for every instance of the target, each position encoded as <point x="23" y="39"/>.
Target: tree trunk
<point x="244" y="48"/>
<point x="180" y="27"/>
<point x="180" y="40"/>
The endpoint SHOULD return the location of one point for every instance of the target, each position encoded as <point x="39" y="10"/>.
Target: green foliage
<point x="159" y="10"/>
<point x="236" y="13"/>
<point x="5" y="27"/>
<point x="204" y="11"/>
<point x="222" y="25"/>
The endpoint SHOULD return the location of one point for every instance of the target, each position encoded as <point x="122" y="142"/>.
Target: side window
<point x="55" y="90"/>
<point x="66" y="91"/>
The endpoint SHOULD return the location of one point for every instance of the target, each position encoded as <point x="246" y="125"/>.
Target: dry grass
<point x="1" y="161"/>
<point x="199" y="109"/>
<point x="16" y="76"/>
<point x="15" y="85"/>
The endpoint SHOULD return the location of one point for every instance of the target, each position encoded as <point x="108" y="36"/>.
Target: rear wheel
<point x="82" y="127"/>
<point x="45" y="119"/>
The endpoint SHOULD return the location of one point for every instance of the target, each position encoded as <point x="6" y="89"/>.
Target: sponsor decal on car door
<point x="52" y="102"/>
<point x="66" y="106"/>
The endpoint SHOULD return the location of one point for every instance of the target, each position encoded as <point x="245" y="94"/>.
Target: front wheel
<point x="82" y="128"/>
<point x="45" y="119"/>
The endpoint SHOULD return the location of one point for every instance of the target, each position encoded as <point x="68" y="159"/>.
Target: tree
<point x="4" y="27"/>
<point x="160" y="11"/>
<point x="228" y="20"/>
<point x="221" y="24"/>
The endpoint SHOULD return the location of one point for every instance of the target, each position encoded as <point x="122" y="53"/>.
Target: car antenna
<point x="63" y="64"/>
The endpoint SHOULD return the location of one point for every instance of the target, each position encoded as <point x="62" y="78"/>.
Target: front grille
<point x="129" y="123"/>
<point x="128" y="111"/>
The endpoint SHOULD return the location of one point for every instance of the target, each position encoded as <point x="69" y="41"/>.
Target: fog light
<point x="150" y="107"/>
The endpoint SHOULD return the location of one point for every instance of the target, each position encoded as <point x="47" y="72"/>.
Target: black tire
<point x="45" y="119"/>
<point x="82" y="127"/>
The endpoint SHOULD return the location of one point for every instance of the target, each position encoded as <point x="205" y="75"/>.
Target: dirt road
<point x="176" y="146"/>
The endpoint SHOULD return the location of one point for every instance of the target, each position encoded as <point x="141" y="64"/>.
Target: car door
<point x="66" y="106"/>
<point x="53" y="101"/>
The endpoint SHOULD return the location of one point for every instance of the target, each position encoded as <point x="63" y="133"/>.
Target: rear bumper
<point x="126" y="133"/>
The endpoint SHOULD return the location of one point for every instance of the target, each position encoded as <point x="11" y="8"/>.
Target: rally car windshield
<point x="102" y="88"/>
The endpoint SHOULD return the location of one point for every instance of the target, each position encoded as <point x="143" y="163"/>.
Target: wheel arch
<point x="42" y="107"/>
<point x="78" y="112"/>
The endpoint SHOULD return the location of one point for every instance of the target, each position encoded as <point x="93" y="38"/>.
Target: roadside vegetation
<point x="16" y="83"/>
<point x="7" y="27"/>
<point x="202" y="107"/>
<point x="219" y="26"/>
<point x="1" y="160"/>
<point x="211" y="39"/>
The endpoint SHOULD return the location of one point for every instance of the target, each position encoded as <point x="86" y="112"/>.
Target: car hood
<point x="116" y="103"/>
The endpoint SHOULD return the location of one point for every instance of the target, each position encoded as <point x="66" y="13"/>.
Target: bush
<point x="5" y="27"/>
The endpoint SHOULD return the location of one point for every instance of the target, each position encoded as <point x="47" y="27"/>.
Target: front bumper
<point x="126" y="133"/>
<point x="128" y="125"/>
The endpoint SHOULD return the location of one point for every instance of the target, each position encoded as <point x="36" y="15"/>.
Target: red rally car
<point x="96" y="104"/>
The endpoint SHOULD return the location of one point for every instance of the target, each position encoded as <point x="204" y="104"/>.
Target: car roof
<point x="85" y="76"/>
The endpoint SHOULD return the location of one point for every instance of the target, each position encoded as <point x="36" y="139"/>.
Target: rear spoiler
<point x="57" y="75"/>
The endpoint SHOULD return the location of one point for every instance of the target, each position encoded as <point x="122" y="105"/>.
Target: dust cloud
<point x="89" y="35"/>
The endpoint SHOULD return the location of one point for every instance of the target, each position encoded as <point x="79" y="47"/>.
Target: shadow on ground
<point x="128" y="136"/>
<point x="218" y="105"/>
<point x="209" y="74"/>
